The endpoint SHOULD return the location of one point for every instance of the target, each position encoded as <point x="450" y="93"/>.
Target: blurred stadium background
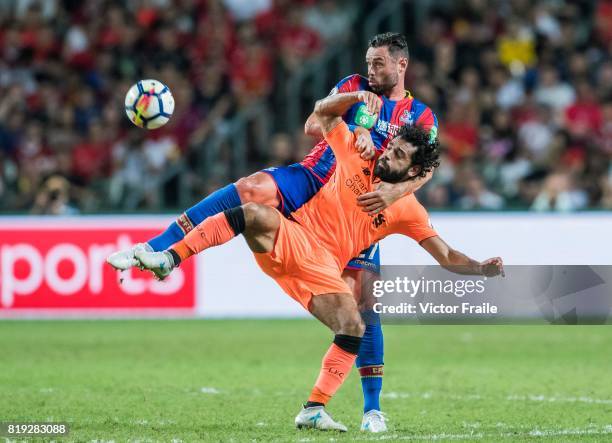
<point x="523" y="93"/>
<point x="522" y="89"/>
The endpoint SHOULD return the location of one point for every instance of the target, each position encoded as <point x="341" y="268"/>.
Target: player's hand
<point x="380" y="199"/>
<point x="386" y="194"/>
<point x="412" y="186"/>
<point x="372" y="101"/>
<point x="492" y="267"/>
<point x="364" y="143"/>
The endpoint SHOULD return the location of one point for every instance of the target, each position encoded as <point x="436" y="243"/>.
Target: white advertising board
<point x="226" y="281"/>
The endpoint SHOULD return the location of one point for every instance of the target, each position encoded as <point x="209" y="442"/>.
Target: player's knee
<point x="358" y="327"/>
<point x="352" y="325"/>
<point x="252" y="212"/>
<point x="257" y="188"/>
<point x="247" y="188"/>
<point x="256" y="216"/>
<point x="361" y="327"/>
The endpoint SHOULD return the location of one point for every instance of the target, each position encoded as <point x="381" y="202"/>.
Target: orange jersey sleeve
<point x="410" y="218"/>
<point x="342" y="141"/>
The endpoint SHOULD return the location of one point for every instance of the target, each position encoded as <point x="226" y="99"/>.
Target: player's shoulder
<point x="340" y="134"/>
<point x="416" y="112"/>
<point x="410" y="208"/>
<point x="353" y="82"/>
<point x="421" y="109"/>
<point x="413" y="104"/>
<point x="419" y="105"/>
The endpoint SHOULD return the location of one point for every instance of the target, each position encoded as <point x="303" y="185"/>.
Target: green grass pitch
<point x="222" y="380"/>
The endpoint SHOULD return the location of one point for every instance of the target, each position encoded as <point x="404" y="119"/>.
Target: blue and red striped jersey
<point x="394" y="114"/>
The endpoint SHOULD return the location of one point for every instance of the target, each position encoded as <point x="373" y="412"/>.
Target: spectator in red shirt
<point x="296" y="41"/>
<point x="603" y="21"/>
<point x="460" y="131"/>
<point x="111" y="33"/>
<point x="584" y="116"/>
<point x="214" y="36"/>
<point x="91" y="157"/>
<point x="251" y="68"/>
<point x="270" y="22"/>
<point x="606" y="128"/>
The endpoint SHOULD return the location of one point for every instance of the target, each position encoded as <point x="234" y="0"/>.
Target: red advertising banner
<point x="62" y="266"/>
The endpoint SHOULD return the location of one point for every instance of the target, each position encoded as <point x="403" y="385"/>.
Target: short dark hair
<point x="395" y="41"/>
<point x="427" y="151"/>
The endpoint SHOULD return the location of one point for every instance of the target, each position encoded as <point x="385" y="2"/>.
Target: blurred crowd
<point x="522" y="90"/>
<point x="65" y="66"/>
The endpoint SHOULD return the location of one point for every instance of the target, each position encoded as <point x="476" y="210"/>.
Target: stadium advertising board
<point x="58" y="267"/>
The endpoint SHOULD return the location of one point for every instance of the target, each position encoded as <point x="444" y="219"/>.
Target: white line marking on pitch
<point x="544" y="398"/>
<point x="393" y="395"/>
<point x="606" y="430"/>
<point x="209" y="390"/>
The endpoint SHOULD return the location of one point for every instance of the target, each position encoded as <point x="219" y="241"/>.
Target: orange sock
<point x="213" y="231"/>
<point x="337" y="364"/>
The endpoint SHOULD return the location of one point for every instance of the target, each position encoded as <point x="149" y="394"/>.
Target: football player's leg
<point x="338" y="312"/>
<point x="258" y="223"/>
<point x="370" y="360"/>
<point x="286" y="188"/>
<point x="258" y="188"/>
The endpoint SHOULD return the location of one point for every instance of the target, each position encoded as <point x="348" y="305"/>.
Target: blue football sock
<point x="370" y="363"/>
<point x="170" y="236"/>
<point x="218" y="201"/>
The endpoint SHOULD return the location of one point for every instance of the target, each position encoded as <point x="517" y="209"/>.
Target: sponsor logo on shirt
<point x="386" y="128"/>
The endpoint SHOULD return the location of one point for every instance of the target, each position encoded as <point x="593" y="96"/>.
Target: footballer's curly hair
<point x="395" y="41"/>
<point x="427" y="153"/>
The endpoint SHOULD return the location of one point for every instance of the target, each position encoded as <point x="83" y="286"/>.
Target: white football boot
<point x="374" y="421"/>
<point x="317" y="418"/>
<point x="124" y="260"/>
<point x="159" y="263"/>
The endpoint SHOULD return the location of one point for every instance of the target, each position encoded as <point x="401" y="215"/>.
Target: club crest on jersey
<point x="378" y="220"/>
<point x="406" y="117"/>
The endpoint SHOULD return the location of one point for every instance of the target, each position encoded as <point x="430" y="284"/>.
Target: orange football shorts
<point x="300" y="265"/>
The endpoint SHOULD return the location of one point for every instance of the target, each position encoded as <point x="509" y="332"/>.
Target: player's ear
<point x="402" y="65"/>
<point x="414" y="171"/>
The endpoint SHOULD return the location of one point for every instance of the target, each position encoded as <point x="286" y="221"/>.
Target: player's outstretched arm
<point x="329" y="111"/>
<point x="460" y="263"/>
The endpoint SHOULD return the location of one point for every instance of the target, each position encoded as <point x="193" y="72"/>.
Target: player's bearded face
<point x="383" y="72"/>
<point x="384" y="82"/>
<point x="387" y="173"/>
<point x="394" y="165"/>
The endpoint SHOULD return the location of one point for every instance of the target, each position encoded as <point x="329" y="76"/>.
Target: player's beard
<point x="383" y="172"/>
<point x="386" y="85"/>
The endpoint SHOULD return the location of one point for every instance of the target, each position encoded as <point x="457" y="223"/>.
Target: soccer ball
<point x="149" y="104"/>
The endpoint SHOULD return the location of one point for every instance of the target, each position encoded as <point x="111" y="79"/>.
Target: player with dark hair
<point x="306" y="254"/>
<point x="398" y="48"/>
<point x="288" y="188"/>
<point x="424" y="158"/>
